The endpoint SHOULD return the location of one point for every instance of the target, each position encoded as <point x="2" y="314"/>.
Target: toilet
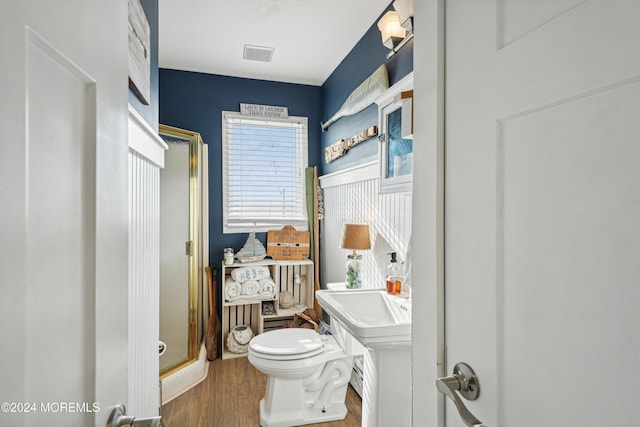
<point x="308" y="375"/>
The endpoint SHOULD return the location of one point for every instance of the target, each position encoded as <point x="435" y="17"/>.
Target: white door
<point x="63" y="211"/>
<point x="542" y="209"/>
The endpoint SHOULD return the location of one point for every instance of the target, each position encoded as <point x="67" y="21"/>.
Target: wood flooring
<point x="230" y="396"/>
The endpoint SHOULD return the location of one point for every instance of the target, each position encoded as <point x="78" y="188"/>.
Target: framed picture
<point x="395" y="153"/>
<point x="139" y="52"/>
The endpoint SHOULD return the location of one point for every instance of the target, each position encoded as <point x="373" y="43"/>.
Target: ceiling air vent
<point x="258" y="53"/>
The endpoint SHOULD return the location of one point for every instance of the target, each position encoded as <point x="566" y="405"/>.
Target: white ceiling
<point x="310" y="37"/>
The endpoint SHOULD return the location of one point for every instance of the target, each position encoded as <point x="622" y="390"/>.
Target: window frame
<point x="300" y="224"/>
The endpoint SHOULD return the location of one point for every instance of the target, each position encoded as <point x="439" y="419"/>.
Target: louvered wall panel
<point x="144" y="295"/>
<point x="146" y="157"/>
<point x="353" y="196"/>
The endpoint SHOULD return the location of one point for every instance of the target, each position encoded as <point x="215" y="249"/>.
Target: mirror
<point x="182" y="244"/>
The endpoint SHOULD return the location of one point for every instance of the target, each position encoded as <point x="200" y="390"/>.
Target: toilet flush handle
<point x="465" y="381"/>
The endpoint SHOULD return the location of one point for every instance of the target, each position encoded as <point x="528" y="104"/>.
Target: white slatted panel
<point x="144" y="279"/>
<point x="144" y="267"/>
<point x="352" y="196"/>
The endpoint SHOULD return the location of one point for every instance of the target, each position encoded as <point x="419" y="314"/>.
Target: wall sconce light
<point x="396" y="26"/>
<point x="354" y="236"/>
<point x="390" y="29"/>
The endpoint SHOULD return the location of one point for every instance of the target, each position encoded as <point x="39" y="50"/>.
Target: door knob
<point x="119" y="418"/>
<point x="465" y="382"/>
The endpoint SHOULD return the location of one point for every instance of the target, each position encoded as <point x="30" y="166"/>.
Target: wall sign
<point x="139" y="52"/>
<point x="340" y="148"/>
<point x="264" y="110"/>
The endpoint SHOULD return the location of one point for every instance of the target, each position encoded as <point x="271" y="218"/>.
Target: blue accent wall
<point x="195" y="101"/>
<point x="366" y="56"/>
<point x="150" y="112"/>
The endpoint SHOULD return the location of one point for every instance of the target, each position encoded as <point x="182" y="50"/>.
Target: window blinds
<point x="264" y="160"/>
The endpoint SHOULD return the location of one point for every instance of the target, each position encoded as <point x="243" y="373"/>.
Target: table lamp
<point x="354" y="236"/>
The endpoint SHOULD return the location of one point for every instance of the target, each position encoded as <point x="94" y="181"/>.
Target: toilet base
<point x="314" y="399"/>
<point x="337" y="411"/>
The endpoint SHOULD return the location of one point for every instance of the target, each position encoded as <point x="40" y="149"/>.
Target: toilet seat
<point x="287" y="344"/>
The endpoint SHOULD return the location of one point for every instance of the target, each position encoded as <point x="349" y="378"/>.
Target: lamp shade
<point x="405" y="12"/>
<point x="355" y="236"/>
<point x="390" y="28"/>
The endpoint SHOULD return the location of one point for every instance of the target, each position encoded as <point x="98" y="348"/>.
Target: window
<point x="263" y="172"/>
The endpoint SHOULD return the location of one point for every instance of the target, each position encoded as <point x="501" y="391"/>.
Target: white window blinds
<point x="263" y="167"/>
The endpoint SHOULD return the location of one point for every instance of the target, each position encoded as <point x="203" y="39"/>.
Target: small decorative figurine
<point x="228" y="256"/>
<point x="267" y="308"/>
<point x="252" y="251"/>
<point x="286" y="299"/>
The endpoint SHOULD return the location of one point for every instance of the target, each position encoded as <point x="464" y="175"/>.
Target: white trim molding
<point x="144" y="140"/>
<point x="352" y="175"/>
<point x="185" y="378"/>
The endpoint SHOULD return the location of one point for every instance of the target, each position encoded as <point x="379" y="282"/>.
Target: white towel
<point x="250" y="288"/>
<point x="267" y="288"/>
<point x="232" y="290"/>
<point x="243" y="274"/>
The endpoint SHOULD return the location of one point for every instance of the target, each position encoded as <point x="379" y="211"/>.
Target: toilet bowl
<point x="308" y="375"/>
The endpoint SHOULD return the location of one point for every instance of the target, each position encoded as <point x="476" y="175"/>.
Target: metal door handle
<point x="119" y="418"/>
<point x="465" y="381"/>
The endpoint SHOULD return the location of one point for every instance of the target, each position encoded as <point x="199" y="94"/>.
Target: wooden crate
<point x="272" y="323"/>
<point x="288" y="244"/>
<point x="302" y="292"/>
<point x="295" y="276"/>
<point x="241" y="314"/>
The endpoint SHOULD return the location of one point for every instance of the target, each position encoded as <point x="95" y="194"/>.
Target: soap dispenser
<point x="394" y="279"/>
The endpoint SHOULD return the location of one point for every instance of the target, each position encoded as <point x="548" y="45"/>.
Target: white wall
<point x="352" y="196"/>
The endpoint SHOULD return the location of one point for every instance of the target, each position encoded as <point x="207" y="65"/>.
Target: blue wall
<point x="364" y="58"/>
<point x="150" y="112"/>
<point x="195" y="101"/>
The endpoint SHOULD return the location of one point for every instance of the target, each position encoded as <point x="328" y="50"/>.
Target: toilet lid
<point x="287" y="342"/>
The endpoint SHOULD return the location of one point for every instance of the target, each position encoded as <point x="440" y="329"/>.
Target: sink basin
<point x="371" y="316"/>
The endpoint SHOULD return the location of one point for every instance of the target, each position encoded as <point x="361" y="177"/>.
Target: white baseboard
<point x="186" y="378"/>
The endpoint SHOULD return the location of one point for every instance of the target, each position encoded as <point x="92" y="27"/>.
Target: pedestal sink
<point x="382" y="324"/>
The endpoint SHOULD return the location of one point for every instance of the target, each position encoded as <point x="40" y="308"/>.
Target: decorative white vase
<point x="238" y="339"/>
